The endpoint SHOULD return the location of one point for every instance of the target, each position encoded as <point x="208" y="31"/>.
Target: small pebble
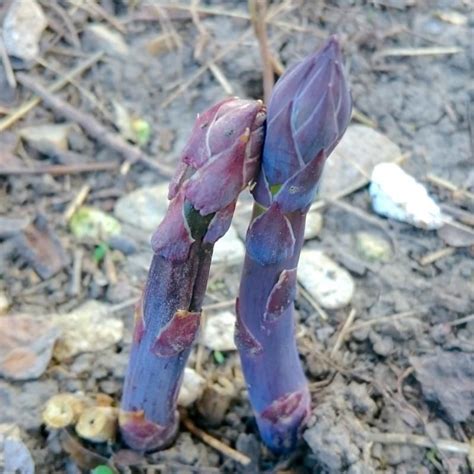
<point x="373" y="248"/>
<point x="314" y="224"/>
<point x="88" y="328"/>
<point x="329" y="284"/>
<point x="47" y="138"/>
<point x="229" y="248"/>
<point x="23" y="26"/>
<point x="4" y="303"/>
<point x="111" y="387"/>
<point x="192" y="387"/>
<point x="143" y="208"/>
<point x="218" y="334"/>
<point x="123" y="244"/>
<point x="382" y="346"/>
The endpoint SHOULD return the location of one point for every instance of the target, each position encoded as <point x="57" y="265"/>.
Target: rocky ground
<point x="385" y="308"/>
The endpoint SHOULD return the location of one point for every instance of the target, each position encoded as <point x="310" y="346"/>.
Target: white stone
<point x="45" y="138"/>
<point x="106" y="39"/>
<point x="397" y="195"/>
<point x="144" y="208"/>
<point x="89" y="328"/>
<point x="329" y="284"/>
<point x="218" y="334"/>
<point x="229" y="248"/>
<point x="192" y="387"/>
<point x="314" y="224"/>
<point x="22" y="28"/>
<point x="4" y="303"/>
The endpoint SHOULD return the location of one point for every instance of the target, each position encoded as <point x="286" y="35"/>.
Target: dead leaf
<point x="41" y="248"/>
<point x="456" y="235"/>
<point x="26" y="346"/>
<point x="354" y="158"/>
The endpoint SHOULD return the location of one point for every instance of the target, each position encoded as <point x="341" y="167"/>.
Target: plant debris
<point x="26" y="346"/>
<point x="40" y="246"/>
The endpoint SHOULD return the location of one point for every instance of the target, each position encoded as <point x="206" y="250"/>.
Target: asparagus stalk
<point x="220" y="159"/>
<point x="308" y="113"/>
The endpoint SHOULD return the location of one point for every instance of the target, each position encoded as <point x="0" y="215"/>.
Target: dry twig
<point x="432" y="257"/>
<point x="86" y="93"/>
<point x="343" y="333"/>
<point x="460" y="321"/>
<point x="431" y="51"/>
<point x="385" y="319"/>
<point x="444" y="183"/>
<point x="363" y="215"/>
<point x="215" y="443"/>
<point x="316" y="306"/>
<point x="422" y="441"/>
<point x="221" y="54"/>
<point x="200" y="346"/>
<point x="219" y="305"/>
<point x="257" y="14"/>
<point x="205" y="10"/>
<point x="81" y="196"/>
<point x="187" y="83"/>
<point x="178" y="467"/>
<point x="57" y="170"/>
<point x="93" y="127"/>
<point x="21" y="111"/>
<point x="204" y="35"/>
<point x="221" y="79"/>
<point x="110" y="269"/>
<point x="95" y="9"/>
<point x="460" y="214"/>
<point x="76" y="280"/>
<point x="73" y="36"/>
<point x="7" y="66"/>
<point x="362" y="118"/>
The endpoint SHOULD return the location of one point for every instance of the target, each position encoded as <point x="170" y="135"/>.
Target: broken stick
<point x="93" y="127"/>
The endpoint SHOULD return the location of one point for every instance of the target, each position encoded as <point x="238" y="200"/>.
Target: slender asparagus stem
<point x="308" y="113"/>
<point x="219" y="160"/>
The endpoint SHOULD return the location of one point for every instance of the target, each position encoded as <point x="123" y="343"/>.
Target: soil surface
<point x="402" y="367"/>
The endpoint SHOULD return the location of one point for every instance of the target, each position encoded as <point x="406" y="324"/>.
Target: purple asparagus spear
<point x="308" y="113"/>
<point x="220" y="159"/>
